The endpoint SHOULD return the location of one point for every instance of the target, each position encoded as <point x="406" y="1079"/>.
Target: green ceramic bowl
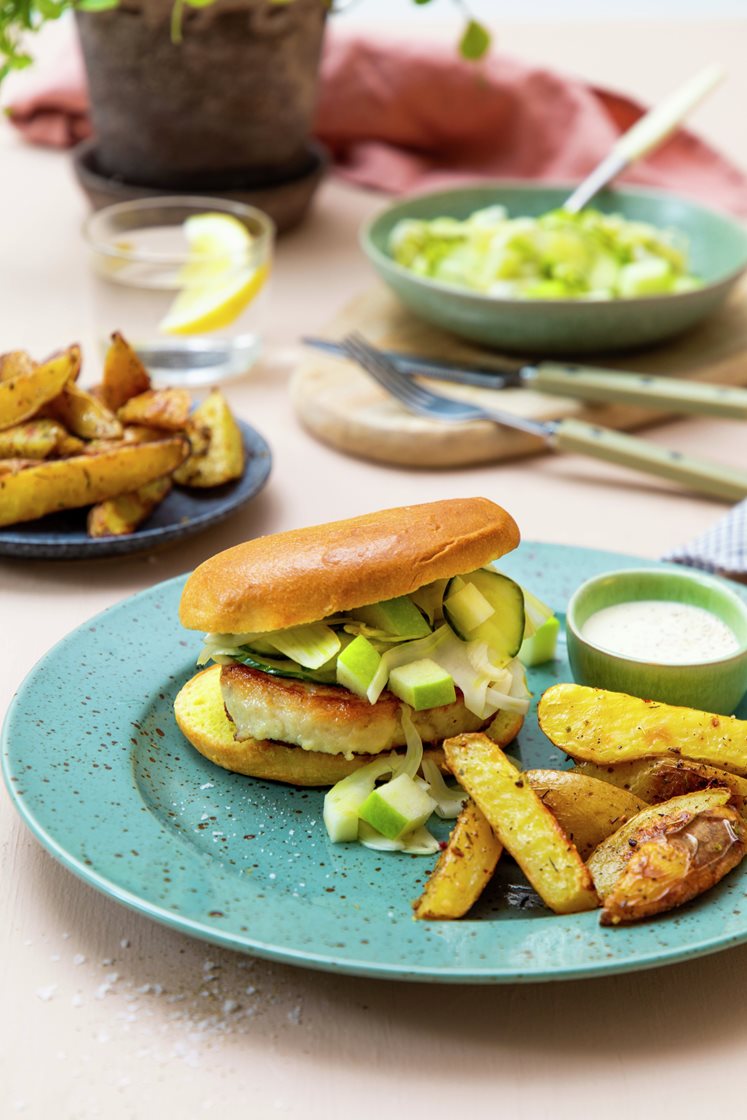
<point x="712" y="686"/>
<point x="718" y="246"/>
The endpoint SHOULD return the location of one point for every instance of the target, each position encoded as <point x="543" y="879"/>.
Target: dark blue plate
<point x="62" y="536"/>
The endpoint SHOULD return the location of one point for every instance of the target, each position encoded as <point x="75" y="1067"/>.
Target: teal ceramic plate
<point x="102" y="776"/>
<point x="718" y="248"/>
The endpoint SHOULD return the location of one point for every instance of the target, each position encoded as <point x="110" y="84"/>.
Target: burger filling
<point x="420" y="667"/>
<point x="448" y="651"/>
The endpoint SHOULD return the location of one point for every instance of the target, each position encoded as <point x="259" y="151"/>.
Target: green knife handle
<point x="616" y="447"/>
<point x="673" y="394"/>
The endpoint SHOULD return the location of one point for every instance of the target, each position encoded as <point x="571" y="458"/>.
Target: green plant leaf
<point x="96" y="5"/>
<point x="475" y="41"/>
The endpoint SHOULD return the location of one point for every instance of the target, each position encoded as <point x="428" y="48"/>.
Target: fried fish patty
<point x="328" y="718"/>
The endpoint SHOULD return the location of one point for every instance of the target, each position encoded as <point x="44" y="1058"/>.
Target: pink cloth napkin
<point x="403" y="117"/>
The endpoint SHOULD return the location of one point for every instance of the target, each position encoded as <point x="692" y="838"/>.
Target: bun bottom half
<point x="201" y="717"/>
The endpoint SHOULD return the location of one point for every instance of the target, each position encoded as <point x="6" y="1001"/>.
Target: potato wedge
<point x="608" y="860"/>
<point x="83" y="415"/>
<point x="13" y="466"/>
<point x="587" y="809"/>
<point x="167" y="409"/>
<point x="463" y="870"/>
<point x="84" y="479"/>
<point x="525" y="827"/>
<point x="124" y="374"/>
<point x="224" y="458"/>
<point x="658" y="779"/>
<point x="120" y="516"/>
<point x="14" y="363"/>
<point x="23" y="395"/>
<point x="33" y="439"/>
<point x="608" y="728"/>
<point x="667" y="855"/>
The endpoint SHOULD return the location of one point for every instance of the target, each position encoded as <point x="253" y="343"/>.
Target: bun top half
<point x="304" y="575"/>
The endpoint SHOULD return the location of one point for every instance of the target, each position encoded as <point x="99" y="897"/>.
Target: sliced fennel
<point x="449" y="799"/>
<point x="311" y="646"/>
<point x="418" y="843"/>
<point x="343" y="801"/>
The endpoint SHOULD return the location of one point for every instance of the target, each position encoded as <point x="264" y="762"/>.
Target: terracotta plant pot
<point x="230" y="106"/>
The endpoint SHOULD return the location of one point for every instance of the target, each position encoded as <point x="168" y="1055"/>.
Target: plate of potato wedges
<point x="117" y="467"/>
<point x="566" y="862"/>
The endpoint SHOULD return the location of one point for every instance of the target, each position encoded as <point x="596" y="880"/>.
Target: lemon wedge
<point x="217" y="285"/>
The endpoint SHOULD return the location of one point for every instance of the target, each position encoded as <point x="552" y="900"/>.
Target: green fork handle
<point x="673" y="394"/>
<point x="700" y="475"/>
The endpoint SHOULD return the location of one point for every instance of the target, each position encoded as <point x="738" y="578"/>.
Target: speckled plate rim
<point x="77" y="546"/>
<point x="634" y="948"/>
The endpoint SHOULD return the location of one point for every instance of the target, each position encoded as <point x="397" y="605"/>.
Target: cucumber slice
<point x="283" y="667"/>
<point x="504" y="630"/>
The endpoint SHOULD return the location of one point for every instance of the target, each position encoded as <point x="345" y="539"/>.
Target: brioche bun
<point x="304" y="575"/>
<point x="202" y="718"/>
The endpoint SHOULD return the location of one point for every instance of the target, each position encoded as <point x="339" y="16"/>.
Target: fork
<point x="700" y="475"/>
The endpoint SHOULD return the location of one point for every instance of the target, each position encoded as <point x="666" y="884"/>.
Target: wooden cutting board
<point x="337" y="402"/>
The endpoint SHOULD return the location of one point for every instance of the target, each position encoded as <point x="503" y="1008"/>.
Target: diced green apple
<point x="343" y="801"/>
<point x="468" y="608"/>
<point x="397" y="807"/>
<point x="357" y="665"/>
<point x="422" y="684"/>
<point x="397" y="616"/>
<point x="645" y="278"/>
<point x="542" y="644"/>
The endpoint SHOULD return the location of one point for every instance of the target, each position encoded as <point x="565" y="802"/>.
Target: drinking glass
<point x="142" y="261"/>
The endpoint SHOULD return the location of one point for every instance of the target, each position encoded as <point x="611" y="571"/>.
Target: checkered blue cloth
<point x="721" y="549"/>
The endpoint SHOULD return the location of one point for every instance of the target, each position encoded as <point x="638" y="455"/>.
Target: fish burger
<point x="337" y="643"/>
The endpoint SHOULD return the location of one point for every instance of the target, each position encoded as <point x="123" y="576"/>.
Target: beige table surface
<point x="106" y="1014"/>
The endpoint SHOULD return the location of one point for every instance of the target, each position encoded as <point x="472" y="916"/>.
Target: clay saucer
<point x="286" y="202"/>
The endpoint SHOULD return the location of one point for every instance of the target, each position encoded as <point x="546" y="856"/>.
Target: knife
<point x="567" y="379"/>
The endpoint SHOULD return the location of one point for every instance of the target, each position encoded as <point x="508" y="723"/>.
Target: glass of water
<point x="185" y="280"/>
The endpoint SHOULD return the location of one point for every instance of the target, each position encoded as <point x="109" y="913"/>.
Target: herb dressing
<point x="662" y="631"/>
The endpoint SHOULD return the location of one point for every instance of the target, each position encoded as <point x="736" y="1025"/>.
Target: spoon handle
<point x="647" y="133"/>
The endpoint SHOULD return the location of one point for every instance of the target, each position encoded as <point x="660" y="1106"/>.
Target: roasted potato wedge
<point x="33" y="439"/>
<point x="607" y="861"/>
<point x="83" y="415"/>
<point x="658" y="779"/>
<point x="13" y="466"/>
<point x="667" y="855"/>
<point x="23" y="395"/>
<point x="223" y="459"/>
<point x="526" y="828"/>
<point x="124" y="375"/>
<point x="120" y="516"/>
<point x="463" y="870"/>
<point x="158" y="408"/>
<point x="609" y="728"/>
<point x="587" y="809"/>
<point x="14" y="363"/>
<point x="84" y="479"/>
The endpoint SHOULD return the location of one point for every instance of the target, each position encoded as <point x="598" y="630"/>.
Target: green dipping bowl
<point x="710" y="685"/>
<point x="718" y="255"/>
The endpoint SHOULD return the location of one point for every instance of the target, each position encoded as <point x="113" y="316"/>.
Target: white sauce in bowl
<point x="661" y="631"/>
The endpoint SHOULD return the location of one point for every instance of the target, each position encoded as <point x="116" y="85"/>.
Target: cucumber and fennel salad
<point x="464" y="633"/>
<point x="586" y="256"/>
